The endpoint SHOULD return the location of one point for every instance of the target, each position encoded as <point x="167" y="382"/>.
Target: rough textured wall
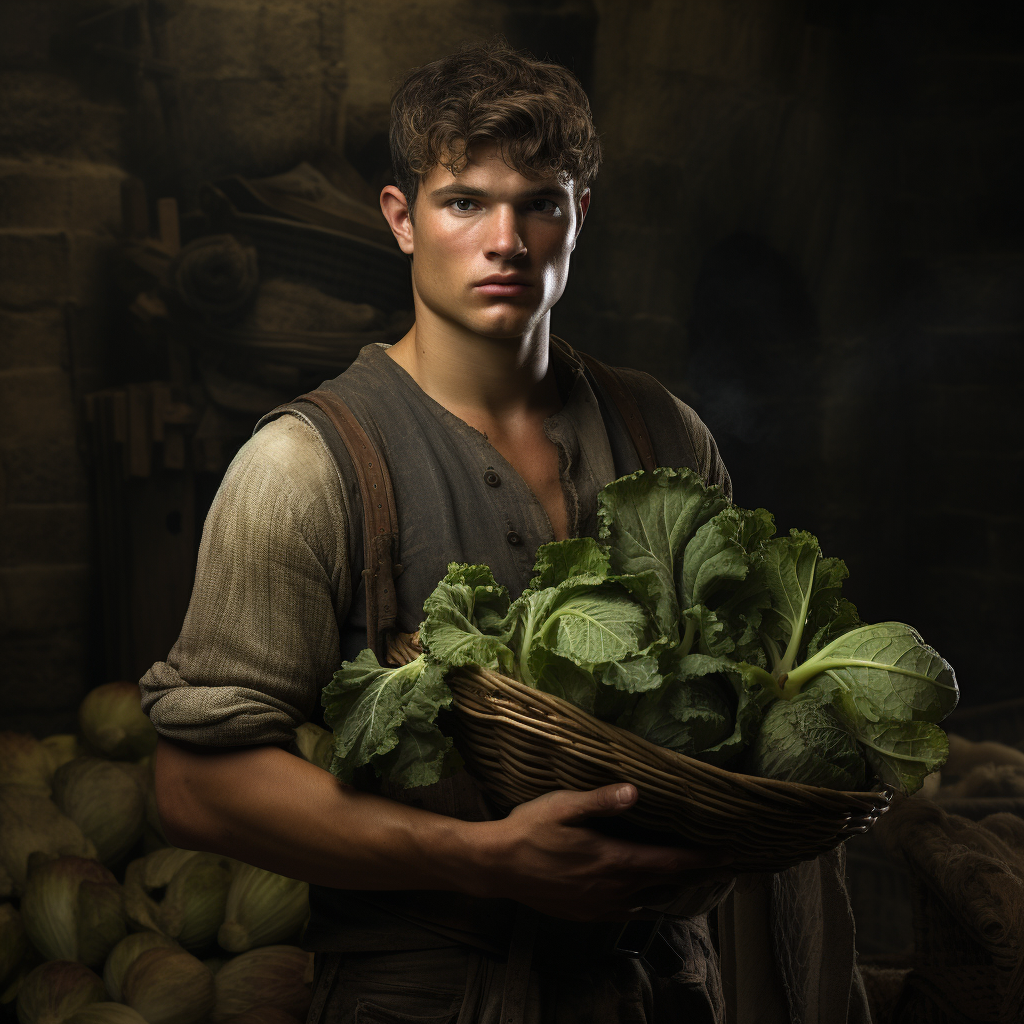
<point x="174" y="93"/>
<point x="60" y="147"/>
<point x="385" y="40"/>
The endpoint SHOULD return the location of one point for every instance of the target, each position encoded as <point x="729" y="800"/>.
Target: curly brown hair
<point x="535" y="111"/>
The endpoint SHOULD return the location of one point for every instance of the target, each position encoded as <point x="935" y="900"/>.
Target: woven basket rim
<point x="874" y="799"/>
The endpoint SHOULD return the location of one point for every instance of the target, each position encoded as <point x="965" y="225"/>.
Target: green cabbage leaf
<point x="686" y="621"/>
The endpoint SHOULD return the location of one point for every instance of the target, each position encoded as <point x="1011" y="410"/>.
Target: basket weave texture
<point x="521" y="743"/>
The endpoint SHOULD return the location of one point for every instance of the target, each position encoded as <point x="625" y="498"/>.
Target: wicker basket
<point x="521" y="743"/>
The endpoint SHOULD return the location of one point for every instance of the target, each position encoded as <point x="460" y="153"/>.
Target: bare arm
<point x="270" y="808"/>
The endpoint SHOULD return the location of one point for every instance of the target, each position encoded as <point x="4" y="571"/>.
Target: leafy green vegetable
<point x="464" y="619"/>
<point x="387" y="717"/>
<point x="647" y="519"/>
<point x="805" y="741"/>
<point x="687" y="622"/>
<point x="588" y="623"/>
<point x="561" y="560"/>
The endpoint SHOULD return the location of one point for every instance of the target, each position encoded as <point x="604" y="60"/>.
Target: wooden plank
<point x="134" y="209"/>
<point x="140" y="441"/>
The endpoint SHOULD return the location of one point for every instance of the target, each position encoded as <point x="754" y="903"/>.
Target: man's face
<point x="491" y="247"/>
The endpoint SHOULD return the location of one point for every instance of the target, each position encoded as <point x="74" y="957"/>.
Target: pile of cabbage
<point x="689" y="623"/>
<point x="102" y="921"/>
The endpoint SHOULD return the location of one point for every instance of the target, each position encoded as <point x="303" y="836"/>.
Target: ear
<point x="395" y="208"/>
<point x="582" y="205"/>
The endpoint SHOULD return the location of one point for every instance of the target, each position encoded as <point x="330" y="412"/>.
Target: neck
<point x="469" y="373"/>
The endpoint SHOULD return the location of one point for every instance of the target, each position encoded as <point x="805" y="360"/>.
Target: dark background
<point x="808" y="224"/>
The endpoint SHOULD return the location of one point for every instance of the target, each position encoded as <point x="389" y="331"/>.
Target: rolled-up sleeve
<point x="260" y="638"/>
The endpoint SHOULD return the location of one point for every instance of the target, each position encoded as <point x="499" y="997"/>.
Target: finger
<point x="673" y="864"/>
<point x="595" y="803"/>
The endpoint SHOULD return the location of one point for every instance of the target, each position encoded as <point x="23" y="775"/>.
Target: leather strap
<point x="624" y="401"/>
<point x="380" y="520"/>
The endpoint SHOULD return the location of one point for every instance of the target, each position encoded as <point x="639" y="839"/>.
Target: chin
<point x="506" y="327"/>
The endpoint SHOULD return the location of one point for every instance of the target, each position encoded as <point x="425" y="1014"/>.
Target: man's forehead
<point x="486" y="169"/>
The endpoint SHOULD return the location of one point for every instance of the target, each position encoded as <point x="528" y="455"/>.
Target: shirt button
<point x="491" y="478"/>
<point x="513" y="538"/>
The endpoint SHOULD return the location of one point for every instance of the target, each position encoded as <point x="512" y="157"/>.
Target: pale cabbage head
<point x="805" y="741"/>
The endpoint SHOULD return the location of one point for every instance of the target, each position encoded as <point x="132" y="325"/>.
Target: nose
<point x="504" y="240"/>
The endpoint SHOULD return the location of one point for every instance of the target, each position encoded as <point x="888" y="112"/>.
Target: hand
<point x="545" y="856"/>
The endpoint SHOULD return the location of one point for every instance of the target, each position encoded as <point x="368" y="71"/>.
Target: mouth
<point x="502" y="285"/>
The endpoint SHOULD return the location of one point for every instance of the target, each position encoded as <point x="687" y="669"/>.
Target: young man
<point x="497" y="440"/>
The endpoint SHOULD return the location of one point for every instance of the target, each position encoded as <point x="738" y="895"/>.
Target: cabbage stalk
<point x="73" y="909"/>
<point x="126" y="952"/>
<point x="113" y="723"/>
<point x="105" y="800"/>
<point x="262" y="908"/>
<point x="194" y="888"/>
<point x="169" y="987"/>
<point x="31" y="823"/>
<point x="53" y="991"/>
<point x="272" y="977"/>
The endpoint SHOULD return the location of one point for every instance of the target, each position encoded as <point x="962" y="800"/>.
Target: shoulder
<point x="705" y="449"/>
<point x="288" y="448"/>
<point x="681" y="438"/>
<point x="285" y="470"/>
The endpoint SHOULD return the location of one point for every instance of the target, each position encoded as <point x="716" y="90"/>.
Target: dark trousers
<point x="462" y="985"/>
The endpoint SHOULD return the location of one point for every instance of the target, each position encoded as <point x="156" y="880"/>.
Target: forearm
<point x="267" y="807"/>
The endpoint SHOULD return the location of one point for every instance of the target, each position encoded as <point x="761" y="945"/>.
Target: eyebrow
<point x="455" y="189"/>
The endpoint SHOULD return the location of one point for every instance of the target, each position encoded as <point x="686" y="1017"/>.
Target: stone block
<point x="39" y="445"/>
<point x="44" y="534"/>
<point x="44" y="113"/>
<point x="755" y="44"/>
<point x="38" y="267"/>
<point x="260" y="126"/>
<point x="28" y="28"/>
<point x="33" y="339"/>
<point x="45" y="674"/>
<point x="34" y="598"/>
<point x="60" y="194"/>
<point x="225" y="40"/>
<point x="383" y="43"/>
<point x="35" y="266"/>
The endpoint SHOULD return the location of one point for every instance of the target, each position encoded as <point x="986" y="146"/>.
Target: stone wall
<point x="60" y="150"/>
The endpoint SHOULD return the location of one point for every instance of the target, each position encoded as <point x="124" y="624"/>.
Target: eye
<point x="463" y="205"/>
<point x="545" y="206"/>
